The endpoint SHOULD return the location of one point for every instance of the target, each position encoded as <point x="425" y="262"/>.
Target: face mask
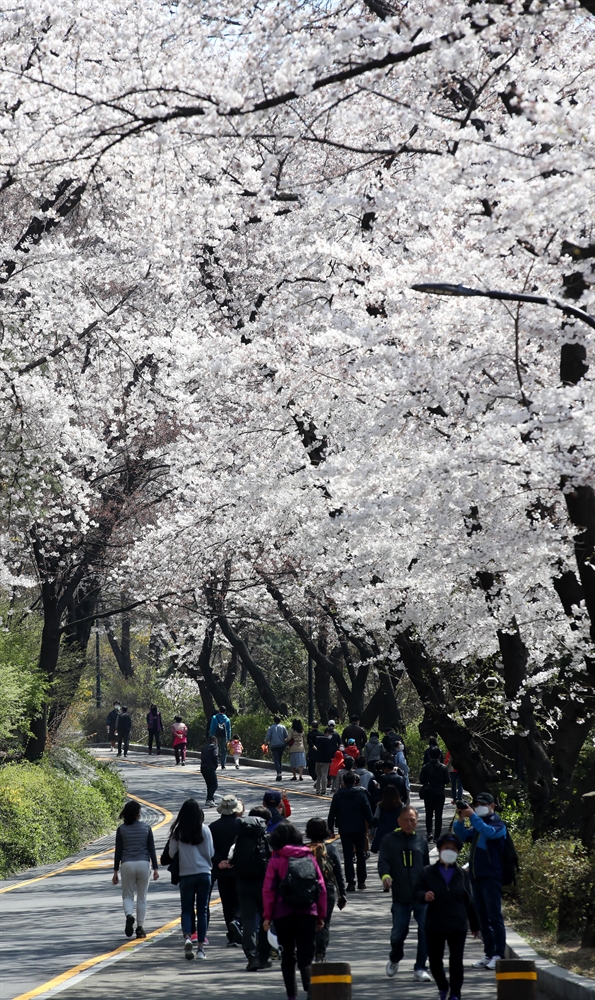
<point x="117" y="707"/>
<point x="449" y="857"/>
<point x="482" y="811"/>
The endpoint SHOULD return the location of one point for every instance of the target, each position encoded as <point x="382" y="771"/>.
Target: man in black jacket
<point x="433" y="777"/>
<point x="446" y="889"/>
<point x="124" y="727"/>
<point x="249" y="857"/>
<point x="355" y="732"/>
<point x="225" y="831"/>
<point x="209" y="757"/>
<point x="391" y="776"/>
<point x="311" y="738"/>
<point x="401" y="858"/>
<point x="350" y="811"/>
<point x="112" y="724"/>
<point x="324" y="755"/>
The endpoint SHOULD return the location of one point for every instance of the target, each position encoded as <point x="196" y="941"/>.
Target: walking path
<point x="63" y="925"/>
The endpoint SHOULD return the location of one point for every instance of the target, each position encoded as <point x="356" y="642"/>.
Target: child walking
<point x="236" y="749"/>
<point x="180" y="734"/>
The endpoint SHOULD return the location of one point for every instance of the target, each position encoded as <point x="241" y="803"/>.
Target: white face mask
<point x="449" y="857"/>
<point x="117" y="707"/>
<point x="482" y="811"/>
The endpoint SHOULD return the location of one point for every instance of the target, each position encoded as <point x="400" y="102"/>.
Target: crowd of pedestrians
<point x="279" y="887"/>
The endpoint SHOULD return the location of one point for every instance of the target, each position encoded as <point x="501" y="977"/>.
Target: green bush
<point x="554" y="883"/>
<point x="416" y="745"/>
<point x="47" y="813"/>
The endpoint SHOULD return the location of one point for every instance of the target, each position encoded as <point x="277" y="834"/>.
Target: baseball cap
<point x="350" y="742"/>
<point x="485" y="799"/>
<point x="331" y="722"/>
<point x="271" y="797"/>
<point x="451" y="838"/>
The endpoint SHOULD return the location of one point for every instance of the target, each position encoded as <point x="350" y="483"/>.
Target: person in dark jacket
<point x="432" y="742"/>
<point x="271" y="800"/>
<point x="124" y="727"/>
<point x="335" y="738"/>
<point x="389" y="740"/>
<point x="433" y="777"/>
<point x="155" y="728"/>
<point x="220" y="727"/>
<point x="209" y="758"/>
<point x="373" y="749"/>
<point x="386" y="816"/>
<point x="330" y="866"/>
<point x="487" y="834"/>
<point x="446" y="890"/>
<point x="249" y="855"/>
<point x="324" y="755"/>
<point x="112" y="724"/>
<point x="355" y="732"/>
<point x="311" y="738"/>
<point x="224" y="832"/>
<point x="350" y="811"/>
<point x="402" y="856"/>
<point x="390" y="776"/>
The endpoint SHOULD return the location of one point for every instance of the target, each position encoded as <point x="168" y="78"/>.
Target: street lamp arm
<point x="436" y="288"/>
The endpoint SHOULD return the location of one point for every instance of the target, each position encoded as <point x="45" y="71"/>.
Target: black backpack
<point x="251" y="852"/>
<point x="510" y="860"/>
<point x="300" y="886"/>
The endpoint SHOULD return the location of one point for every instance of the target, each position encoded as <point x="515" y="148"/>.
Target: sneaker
<point x="253" y="965"/>
<point x="129" y="925"/>
<point x="223" y="767"/>
<point x="194" y="938"/>
<point x="421" y="976"/>
<point x="206" y="940"/>
<point x="443" y="995"/>
<point x="183" y="763"/>
<point x="200" y="953"/>
<point x="237" y="767"/>
<point x="141" y="932"/>
<point x="361" y="885"/>
<point x="267" y="964"/>
<point x="235" y="931"/>
<point x="482" y="963"/>
<point x="391" y="968"/>
<point x="209" y="804"/>
<point x="232" y="944"/>
<point x="188" y="949"/>
<point x="279" y="777"/>
<point x="492" y="962"/>
<point x="351" y="887"/>
<point x="319" y="958"/>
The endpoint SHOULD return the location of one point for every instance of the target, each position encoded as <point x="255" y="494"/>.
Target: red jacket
<point x="337" y="763"/>
<point x="273" y="905"/>
<point x="352" y="751"/>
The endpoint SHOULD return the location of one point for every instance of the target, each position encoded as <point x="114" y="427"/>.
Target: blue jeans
<point x="487" y="896"/>
<point x="401" y="917"/>
<point x="277" y="757"/>
<point x="195" y="887"/>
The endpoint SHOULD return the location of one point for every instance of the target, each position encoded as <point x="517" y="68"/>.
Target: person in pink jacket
<point x="294" y="897"/>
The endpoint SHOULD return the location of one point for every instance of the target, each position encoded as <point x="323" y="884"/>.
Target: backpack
<point x="251" y="853"/>
<point x="221" y="731"/>
<point x="300" y="886"/>
<point x="510" y="860"/>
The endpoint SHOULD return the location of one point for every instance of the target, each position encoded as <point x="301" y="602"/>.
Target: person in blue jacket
<point x="221" y="728"/>
<point x="487" y="834"/>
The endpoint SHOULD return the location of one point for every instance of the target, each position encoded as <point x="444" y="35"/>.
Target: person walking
<point x="236" y="750"/>
<point x="220" y="727"/>
<point x="386" y="816"/>
<point x="208" y="768"/>
<point x="456" y="785"/>
<point x="192" y="841"/>
<point x="112" y="725"/>
<point x="313" y="733"/>
<point x="401" y="763"/>
<point x="276" y="738"/>
<point x="124" y="727"/>
<point x="154" y="728"/>
<point x="366" y="778"/>
<point x="335" y="738"/>
<point x="324" y="755"/>
<point x="390" y="740"/>
<point x="445" y="888"/>
<point x="402" y="856"/>
<point x="390" y="776"/>
<point x="487" y="834"/>
<point x="432" y="743"/>
<point x="224" y="832"/>
<point x="327" y="860"/>
<point x="355" y="732"/>
<point x="134" y="855"/>
<point x="433" y="777"/>
<point x="297" y="749"/>
<point x="351" y="749"/>
<point x="336" y="767"/>
<point x="350" y="811"/>
<point x="248" y="856"/>
<point x="179" y="731"/>
<point x="294" y="896"/>
<point x="373" y="749"/>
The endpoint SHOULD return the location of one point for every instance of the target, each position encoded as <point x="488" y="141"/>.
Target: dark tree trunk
<point x="212" y="691"/>
<point x="322" y="678"/>
<point x="372" y="709"/>
<point x="263" y="687"/>
<point x="48" y="662"/>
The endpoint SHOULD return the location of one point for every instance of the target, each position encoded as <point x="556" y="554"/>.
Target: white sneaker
<point x="391" y="968"/>
<point x="200" y="953"/>
<point x="482" y="963"/>
<point x="188" y="949"/>
<point x="421" y="976"/>
<point x="492" y="962"/>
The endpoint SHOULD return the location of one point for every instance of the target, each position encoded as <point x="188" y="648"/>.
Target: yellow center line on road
<point x="86" y="863"/>
<point x="99" y="960"/>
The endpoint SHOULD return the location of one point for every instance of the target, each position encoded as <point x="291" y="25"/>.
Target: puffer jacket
<point x="403" y="856"/>
<point x="275" y="907"/>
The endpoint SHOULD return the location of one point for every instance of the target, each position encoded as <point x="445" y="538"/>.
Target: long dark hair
<point x="131" y="812"/>
<point x="285" y="833"/>
<point x="391" y="800"/>
<point x="297" y="726"/>
<point x="187" y="827"/>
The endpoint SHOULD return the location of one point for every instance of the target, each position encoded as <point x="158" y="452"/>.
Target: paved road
<point x="63" y="932"/>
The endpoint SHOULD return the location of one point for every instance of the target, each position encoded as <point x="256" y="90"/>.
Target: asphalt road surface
<point x="63" y="926"/>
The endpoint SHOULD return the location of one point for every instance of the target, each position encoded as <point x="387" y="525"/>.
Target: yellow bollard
<point x="331" y="981"/>
<point x="516" y="979"/>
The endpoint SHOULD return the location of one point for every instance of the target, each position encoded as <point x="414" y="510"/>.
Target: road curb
<point x="559" y="983"/>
